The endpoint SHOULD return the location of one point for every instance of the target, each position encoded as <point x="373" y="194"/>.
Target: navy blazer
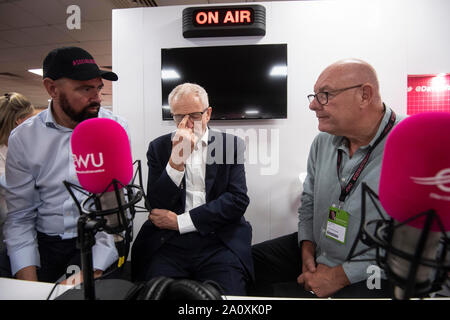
<point x="223" y="212"/>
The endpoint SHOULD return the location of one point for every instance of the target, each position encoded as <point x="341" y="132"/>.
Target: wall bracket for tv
<point x="224" y="21"/>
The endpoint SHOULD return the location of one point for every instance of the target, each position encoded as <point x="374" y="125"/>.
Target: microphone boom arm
<point x="93" y="219"/>
<point x="381" y="240"/>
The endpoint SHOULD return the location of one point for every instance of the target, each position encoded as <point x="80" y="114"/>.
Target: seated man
<point x="354" y="123"/>
<point x="198" y="192"/>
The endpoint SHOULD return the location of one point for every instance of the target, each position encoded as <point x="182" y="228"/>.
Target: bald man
<point x="354" y="123"/>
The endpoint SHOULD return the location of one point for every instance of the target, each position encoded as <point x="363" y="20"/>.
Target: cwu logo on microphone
<point x="439" y="180"/>
<point x="88" y="164"/>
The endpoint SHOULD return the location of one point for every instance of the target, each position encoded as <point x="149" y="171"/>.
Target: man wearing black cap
<point x="73" y="71"/>
<point x="41" y="227"/>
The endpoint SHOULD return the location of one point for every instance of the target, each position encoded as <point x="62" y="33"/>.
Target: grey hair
<point x="189" y="88"/>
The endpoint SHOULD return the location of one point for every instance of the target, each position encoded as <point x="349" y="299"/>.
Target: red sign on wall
<point x="428" y="93"/>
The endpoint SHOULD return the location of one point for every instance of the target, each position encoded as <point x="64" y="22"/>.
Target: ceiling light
<point x="36" y="71"/>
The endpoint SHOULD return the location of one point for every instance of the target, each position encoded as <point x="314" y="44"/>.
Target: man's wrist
<point x="185" y="223"/>
<point x="98" y="273"/>
<point x="178" y="167"/>
<point x="27" y="273"/>
<point x="307" y="248"/>
<point x="340" y="276"/>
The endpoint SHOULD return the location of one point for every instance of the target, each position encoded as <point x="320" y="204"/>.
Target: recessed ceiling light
<point x="36" y="71"/>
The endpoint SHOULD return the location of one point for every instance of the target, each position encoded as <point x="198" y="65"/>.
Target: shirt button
<point x="343" y="179"/>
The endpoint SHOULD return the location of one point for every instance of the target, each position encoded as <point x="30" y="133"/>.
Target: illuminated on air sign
<point x="222" y="21"/>
<point x="224" y="17"/>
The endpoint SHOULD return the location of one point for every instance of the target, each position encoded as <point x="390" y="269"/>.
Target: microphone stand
<point x="92" y="220"/>
<point x="408" y="289"/>
<point x="85" y="241"/>
<point x="380" y="239"/>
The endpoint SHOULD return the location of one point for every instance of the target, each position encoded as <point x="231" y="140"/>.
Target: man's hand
<point x="164" y="219"/>
<point x="77" y="278"/>
<point x="308" y="261"/>
<point x="182" y="145"/>
<point x="325" y="281"/>
<point x="28" y="273"/>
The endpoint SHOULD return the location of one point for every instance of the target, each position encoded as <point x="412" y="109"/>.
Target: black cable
<point x="58" y="282"/>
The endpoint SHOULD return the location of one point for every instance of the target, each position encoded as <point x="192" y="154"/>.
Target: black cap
<point x="73" y="63"/>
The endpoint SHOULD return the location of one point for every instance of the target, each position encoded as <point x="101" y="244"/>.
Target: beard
<point x="77" y="116"/>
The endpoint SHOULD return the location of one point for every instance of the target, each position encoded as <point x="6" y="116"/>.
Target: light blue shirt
<point x="322" y="189"/>
<point x="39" y="159"/>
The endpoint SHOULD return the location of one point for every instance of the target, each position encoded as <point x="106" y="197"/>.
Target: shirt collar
<point x="50" y="120"/>
<point x="341" y="143"/>
<point x="384" y="122"/>
<point x="205" y="137"/>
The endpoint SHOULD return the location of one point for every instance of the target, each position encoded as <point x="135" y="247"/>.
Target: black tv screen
<point x="242" y="82"/>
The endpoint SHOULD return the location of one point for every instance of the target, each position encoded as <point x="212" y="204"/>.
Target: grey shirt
<point x="322" y="189"/>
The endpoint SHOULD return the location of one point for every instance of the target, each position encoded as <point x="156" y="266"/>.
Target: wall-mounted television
<point x="242" y="81"/>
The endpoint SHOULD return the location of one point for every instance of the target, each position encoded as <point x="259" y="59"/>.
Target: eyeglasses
<point x="194" y="116"/>
<point x="322" y="97"/>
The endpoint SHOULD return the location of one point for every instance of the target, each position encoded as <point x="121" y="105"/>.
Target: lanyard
<point x="346" y="190"/>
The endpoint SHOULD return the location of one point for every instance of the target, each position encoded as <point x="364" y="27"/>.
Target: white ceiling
<point x="29" y="29"/>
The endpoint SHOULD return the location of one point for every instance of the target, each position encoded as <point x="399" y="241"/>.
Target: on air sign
<point x="249" y="20"/>
<point x="224" y="17"/>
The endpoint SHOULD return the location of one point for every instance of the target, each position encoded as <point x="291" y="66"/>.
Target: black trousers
<point x="5" y="264"/>
<point x="62" y="258"/>
<point x="57" y="255"/>
<point x="200" y="258"/>
<point x="278" y="263"/>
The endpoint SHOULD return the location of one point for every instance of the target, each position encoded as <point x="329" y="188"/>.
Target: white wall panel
<point x="396" y="37"/>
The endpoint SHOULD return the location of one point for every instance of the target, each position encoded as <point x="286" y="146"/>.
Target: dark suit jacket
<point x="223" y="212"/>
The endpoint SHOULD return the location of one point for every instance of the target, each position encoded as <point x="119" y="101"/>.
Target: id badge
<point x="337" y="224"/>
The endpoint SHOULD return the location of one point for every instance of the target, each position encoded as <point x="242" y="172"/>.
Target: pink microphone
<point x="414" y="181"/>
<point x="415" y="174"/>
<point x="104" y="167"/>
<point x="101" y="152"/>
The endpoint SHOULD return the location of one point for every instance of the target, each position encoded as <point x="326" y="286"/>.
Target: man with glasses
<point x="198" y="194"/>
<point x="354" y="123"/>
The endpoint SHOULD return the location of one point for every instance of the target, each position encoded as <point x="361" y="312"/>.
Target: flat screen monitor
<point x="242" y="82"/>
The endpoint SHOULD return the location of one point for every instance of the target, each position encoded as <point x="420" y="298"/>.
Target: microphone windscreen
<point x="101" y="152"/>
<point x="415" y="172"/>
